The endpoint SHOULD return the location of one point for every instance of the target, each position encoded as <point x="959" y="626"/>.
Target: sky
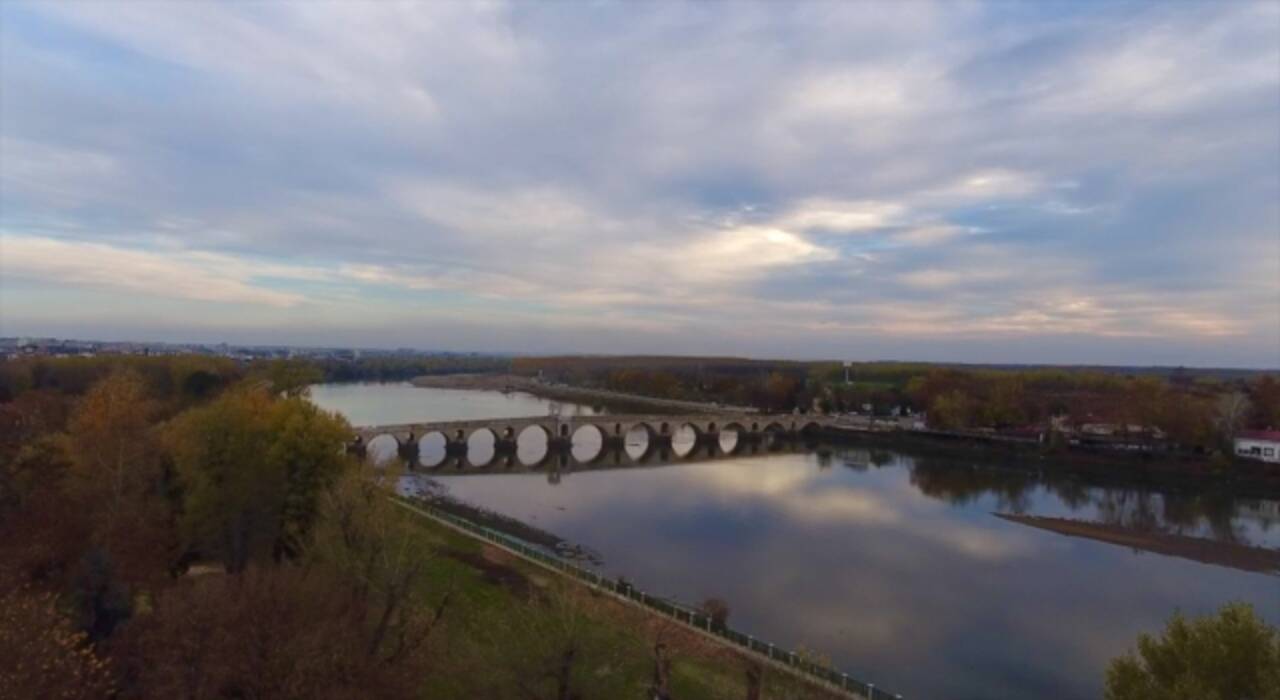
<point x="1082" y="183"/>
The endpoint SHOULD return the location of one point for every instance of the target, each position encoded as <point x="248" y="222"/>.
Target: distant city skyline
<point x="1048" y="183"/>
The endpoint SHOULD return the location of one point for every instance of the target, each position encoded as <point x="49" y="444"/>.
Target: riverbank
<point x="430" y="493"/>
<point x="616" y="402"/>
<point x="508" y="616"/>
<point x="1230" y="554"/>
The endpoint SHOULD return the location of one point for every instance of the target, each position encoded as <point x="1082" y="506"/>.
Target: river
<point x="894" y="563"/>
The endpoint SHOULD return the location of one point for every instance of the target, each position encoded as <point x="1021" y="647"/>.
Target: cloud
<point x="200" y="277"/>
<point x="842" y="181"/>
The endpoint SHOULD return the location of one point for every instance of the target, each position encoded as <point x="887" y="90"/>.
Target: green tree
<point x="951" y="411"/>
<point x="1232" y="655"/>
<point x="292" y="377"/>
<point x="253" y="468"/>
<point x="378" y="546"/>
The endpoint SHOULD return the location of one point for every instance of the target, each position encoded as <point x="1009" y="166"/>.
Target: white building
<point x="1259" y="444"/>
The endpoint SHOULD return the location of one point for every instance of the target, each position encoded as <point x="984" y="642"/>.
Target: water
<point x="893" y="563"/>
<point x="383" y="404"/>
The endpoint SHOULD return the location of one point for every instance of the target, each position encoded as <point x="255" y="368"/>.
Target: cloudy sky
<point x="1084" y="182"/>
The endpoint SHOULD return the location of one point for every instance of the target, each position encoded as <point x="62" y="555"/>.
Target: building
<point x="1259" y="444"/>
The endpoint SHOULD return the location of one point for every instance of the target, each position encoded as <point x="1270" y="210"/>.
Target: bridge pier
<point x="357" y="447"/>
<point x="408" y="449"/>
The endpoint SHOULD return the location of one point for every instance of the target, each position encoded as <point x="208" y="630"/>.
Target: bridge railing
<point x="798" y="662"/>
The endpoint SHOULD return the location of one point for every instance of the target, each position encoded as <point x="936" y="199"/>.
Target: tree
<point x="116" y="477"/>
<point x="374" y="542"/>
<point x="951" y="411"/>
<point x="1264" y="393"/>
<point x="292" y="377"/>
<point x="780" y="390"/>
<point x="718" y="610"/>
<point x="1232" y="409"/>
<point x="233" y="495"/>
<point x="253" y="468"/>
<point x="1232" y="655"/>
<point x="303" y="450"/>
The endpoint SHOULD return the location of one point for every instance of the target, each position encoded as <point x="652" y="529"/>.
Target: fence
<point x="683" y="614"/>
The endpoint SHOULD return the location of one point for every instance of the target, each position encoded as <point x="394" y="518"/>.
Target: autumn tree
<point x="1232" y="655"/>
<point x="116" y="475"/>
<point x="277" y="632"/>
<point x="780" y="390"/>
<point x="1264" y="395"/>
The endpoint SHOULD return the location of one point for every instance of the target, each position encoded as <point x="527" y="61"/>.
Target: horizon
<point x="731" y="358"/>
<point x="987" y="184"/>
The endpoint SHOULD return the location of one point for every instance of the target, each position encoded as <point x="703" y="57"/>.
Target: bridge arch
<point x="731" y="437"/>
<point x="482" y="447"/>
<point x="382" y="448"/>
<point x="433" y="449"/>
<point x="638" y="440"/>
<point x="586" y="444"/>
<point x="533" y="444"/>
<point x="686" y="438"/>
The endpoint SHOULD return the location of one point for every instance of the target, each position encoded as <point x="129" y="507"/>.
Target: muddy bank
<point x="1206" y="551"/>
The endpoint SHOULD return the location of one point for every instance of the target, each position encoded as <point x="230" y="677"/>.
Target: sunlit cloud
<point x="201" y="277"/>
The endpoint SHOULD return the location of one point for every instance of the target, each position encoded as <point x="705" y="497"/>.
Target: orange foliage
<point x="41" y="656"/>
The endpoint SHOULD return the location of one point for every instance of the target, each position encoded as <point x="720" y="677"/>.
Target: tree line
<point x="172" y="534"/>
<point x="1198" y="411"/>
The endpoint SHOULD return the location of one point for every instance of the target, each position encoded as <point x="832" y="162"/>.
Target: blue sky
<point x="1076" y="182"/>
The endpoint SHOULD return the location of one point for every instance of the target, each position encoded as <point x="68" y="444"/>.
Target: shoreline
<point x="1107" y="467"/>
<point x="511" y="382"/>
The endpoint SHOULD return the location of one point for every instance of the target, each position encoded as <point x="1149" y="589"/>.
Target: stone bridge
<point x="652" y="436"/>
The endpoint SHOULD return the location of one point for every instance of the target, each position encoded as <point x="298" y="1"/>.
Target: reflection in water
<point x="388" y="404"/>
<point x="890" y="562"/>
<point x="894" y="565"/>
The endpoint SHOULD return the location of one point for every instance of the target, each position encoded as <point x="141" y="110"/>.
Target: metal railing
<point x="797" y="662"/>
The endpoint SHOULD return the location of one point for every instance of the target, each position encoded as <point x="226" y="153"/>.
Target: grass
<point x="509" y="624"/>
